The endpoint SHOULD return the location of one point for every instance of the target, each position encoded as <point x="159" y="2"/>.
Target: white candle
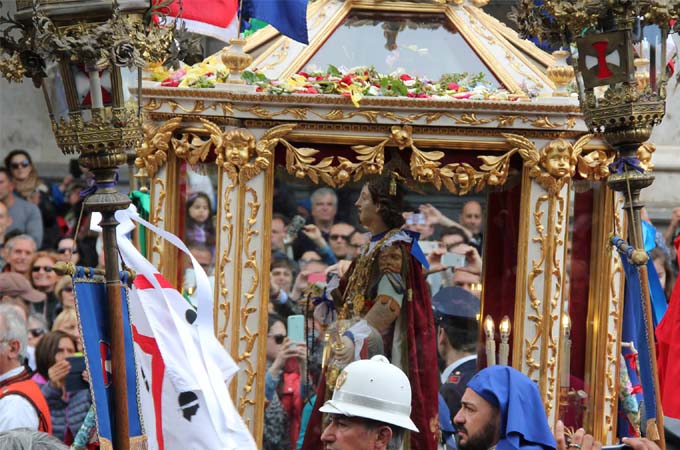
<point x="504" y="347"/>
<point x="566" y="351"/>
<point x="490" y="342"/>
<point x="96" y="89"/>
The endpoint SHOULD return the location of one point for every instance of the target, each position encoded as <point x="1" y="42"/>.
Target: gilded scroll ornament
<point x="644" y="154"/>
<point x="153" y="152"/>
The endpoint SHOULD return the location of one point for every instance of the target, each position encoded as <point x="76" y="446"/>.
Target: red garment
<point x="290" y="398"/>
<point x="668" y="349"/>
<point x="24" y="386"/>
<point x="422" y="365"/>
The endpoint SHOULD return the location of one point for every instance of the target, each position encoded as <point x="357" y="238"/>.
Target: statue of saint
<point x="384" y="307"/>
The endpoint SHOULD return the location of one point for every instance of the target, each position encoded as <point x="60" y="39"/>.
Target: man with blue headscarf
<point x="502" y="409"/>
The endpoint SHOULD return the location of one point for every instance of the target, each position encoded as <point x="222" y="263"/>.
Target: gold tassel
<point x="652" y="431"/>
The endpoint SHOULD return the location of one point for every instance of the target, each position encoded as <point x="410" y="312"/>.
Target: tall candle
<point x="504" y="347"/>
<point x="95" y="89"/>
<point x="566" y="351"/>
<point x="490" y="342"/>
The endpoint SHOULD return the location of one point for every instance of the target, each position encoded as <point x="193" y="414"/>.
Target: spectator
<point x="25" y="439"/>
<point x="664" y="271"/>
<point x="30" y="187"/>
<point x="324" y="206"/>
<point x="469" y="281"/>
<point x="67" y="321"/>
<point x="671" y="230"/>
<point x="358" y="240"/>
<point x="68" y="408"/>
<point x="63" y="290"/>
<point x="68" y="250"/>
<point x="26" y="216"/>
<point x="15" y="286"/>
<point x="199" y="221"/>
<point x="455" y="315"/>
<point x="19" y="252"/>
<point x="37" y="327"/>
<point x="339" y="240"/>
<point x="451" y="237"/>
<point x="44" y="278"/>
<point x="418" y="222"/>
<point x="471" y="219"/>
<point x="279" y="224"/>
<point x="283" y="387"/>
<point x="436" y="217"/>
<point x="281" y="286"/>
<point x="22" y="405"/>
<point x="77" y="225"/>
<point x="5" y="222"/>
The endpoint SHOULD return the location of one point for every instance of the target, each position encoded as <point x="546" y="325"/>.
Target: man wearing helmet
<point x="370" y="408"/>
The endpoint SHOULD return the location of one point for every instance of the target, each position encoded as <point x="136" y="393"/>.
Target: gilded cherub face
<point x="390" y="260"/>
<point x="557" y="158"/>
<point x="240" y="148"/>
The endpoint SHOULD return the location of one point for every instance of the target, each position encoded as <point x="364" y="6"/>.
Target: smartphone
<point x="296" y="328"/>
<point x="428" y="246"/>
<point x="74" y="379"/>
<point x="416" y="219"/>
<point x="316" y="277"/>
<point x="453" y="260"/>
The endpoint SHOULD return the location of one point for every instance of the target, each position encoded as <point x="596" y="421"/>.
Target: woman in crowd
<point x="44" y="279"/>
<point x="68" y="250"/>
<point x="67" y="321"/>
<point x="283" y="387"/>
<point x="30" y="187"/>
<point x="64" y="292"/>
<point x="68" y="409"/>
<point x="664" y="270"/>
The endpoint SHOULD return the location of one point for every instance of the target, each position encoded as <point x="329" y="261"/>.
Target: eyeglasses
<point x="278" y="338"/>
<point x="67" y="289"/>
<point x="61" y="251"/>
<point x="36" y="332"/>
<point x="47" y="269"/>
<point x="344" y="237"/>
<point x="25" y="163"/>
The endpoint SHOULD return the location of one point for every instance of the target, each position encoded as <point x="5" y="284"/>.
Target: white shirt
<point x="15" y="410"/>
<point x="450" y="368"/>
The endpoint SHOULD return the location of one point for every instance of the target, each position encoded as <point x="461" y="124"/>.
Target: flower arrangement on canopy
<point x="356" y="83"/>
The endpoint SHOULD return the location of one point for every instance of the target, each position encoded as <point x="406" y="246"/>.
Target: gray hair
<point x="25" y="439"/>
<point x="21" y="237"/>
<point x="322" y="192"/>
<point x="13" y="328"/>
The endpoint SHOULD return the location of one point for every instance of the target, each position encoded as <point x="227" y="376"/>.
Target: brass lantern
<point x="85" y="56"/>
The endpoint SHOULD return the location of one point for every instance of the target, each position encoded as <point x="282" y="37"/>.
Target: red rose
<point x="304" y="74"/>
<point x="453" y="86"/>
<point x="405" y="77"/>
<point x="169" y="82"/>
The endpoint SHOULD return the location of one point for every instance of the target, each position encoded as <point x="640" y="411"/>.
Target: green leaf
<point x="333" y="71"/>
<point x="249" y="76"/>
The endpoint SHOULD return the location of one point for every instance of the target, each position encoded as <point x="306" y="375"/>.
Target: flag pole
<point x="630" y="183"/>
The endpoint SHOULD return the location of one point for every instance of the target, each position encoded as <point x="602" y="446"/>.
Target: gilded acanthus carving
<point x="554" y="164"/>
<point x="153" y="152"/>
<point x="644" y="154"/>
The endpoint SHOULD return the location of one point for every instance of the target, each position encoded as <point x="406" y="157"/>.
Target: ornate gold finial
<point x="236" y="60"/>
<point x="561" y="73"/>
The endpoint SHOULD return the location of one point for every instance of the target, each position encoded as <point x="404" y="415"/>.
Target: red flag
<point x="214" y="18"/>
<point x="668" y="344"/>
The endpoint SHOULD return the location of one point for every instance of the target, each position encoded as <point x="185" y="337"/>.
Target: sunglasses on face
<point x="47" y="269"/>
<point x="36" y="332"/>
<point x="344" y="237"/>
<point x="278" y="338"/>
<point x="61" y="251"/>
<point x="22" y="164"/>
<point x="67" y="289"/>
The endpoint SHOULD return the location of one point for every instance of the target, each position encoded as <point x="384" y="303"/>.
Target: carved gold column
<point x="539" y="300"/>
<point x="242" y="262"/>
<point x="605" y="308"/>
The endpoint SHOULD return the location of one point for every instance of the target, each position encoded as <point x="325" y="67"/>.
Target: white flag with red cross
<point x="182" y="368"/>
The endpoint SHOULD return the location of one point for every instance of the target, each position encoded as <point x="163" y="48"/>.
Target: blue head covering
<point x="523" y="420"/>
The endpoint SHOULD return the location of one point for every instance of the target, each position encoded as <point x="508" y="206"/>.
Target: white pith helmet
<point x="373" y="389"/>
